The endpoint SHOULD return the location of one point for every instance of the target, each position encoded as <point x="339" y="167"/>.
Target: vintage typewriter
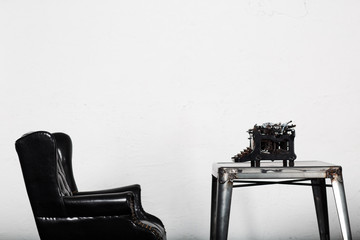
<point x="269" y="141"/>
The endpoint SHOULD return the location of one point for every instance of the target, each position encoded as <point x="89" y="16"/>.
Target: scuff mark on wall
<point x="294" y="8"/>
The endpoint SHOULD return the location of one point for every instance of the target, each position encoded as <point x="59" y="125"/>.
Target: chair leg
<point x="319" y="192"/>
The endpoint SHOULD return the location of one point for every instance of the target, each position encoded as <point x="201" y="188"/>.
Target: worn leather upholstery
<point x="61" y="212"/>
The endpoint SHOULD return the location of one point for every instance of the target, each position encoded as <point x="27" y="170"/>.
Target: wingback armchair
<point x="63" y="212"/>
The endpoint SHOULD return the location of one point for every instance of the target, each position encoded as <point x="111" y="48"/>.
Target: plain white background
<point x="154" y="92"/>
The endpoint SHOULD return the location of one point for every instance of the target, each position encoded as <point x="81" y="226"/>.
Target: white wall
<point x="154" y="92"/>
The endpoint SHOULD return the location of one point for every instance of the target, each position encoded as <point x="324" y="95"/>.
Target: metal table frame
<point x="225" y="174"/>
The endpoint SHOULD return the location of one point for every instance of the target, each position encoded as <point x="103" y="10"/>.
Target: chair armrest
<point x="135" y="188"/>
<point x="111" y="204"/>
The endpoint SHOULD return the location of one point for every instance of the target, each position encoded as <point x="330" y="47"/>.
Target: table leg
<point x="319" y="192"/>
<point x="224" y="194"/>
<point x="341" y="206"/>
<point x="213" y="208"/>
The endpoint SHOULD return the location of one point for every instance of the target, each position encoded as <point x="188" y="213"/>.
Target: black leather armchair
<point x="62" y="212"/>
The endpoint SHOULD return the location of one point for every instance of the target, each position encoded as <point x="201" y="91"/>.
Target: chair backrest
<point x="46" y="165"/>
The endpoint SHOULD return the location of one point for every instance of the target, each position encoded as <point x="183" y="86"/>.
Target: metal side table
<point x="229" y="175"/>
